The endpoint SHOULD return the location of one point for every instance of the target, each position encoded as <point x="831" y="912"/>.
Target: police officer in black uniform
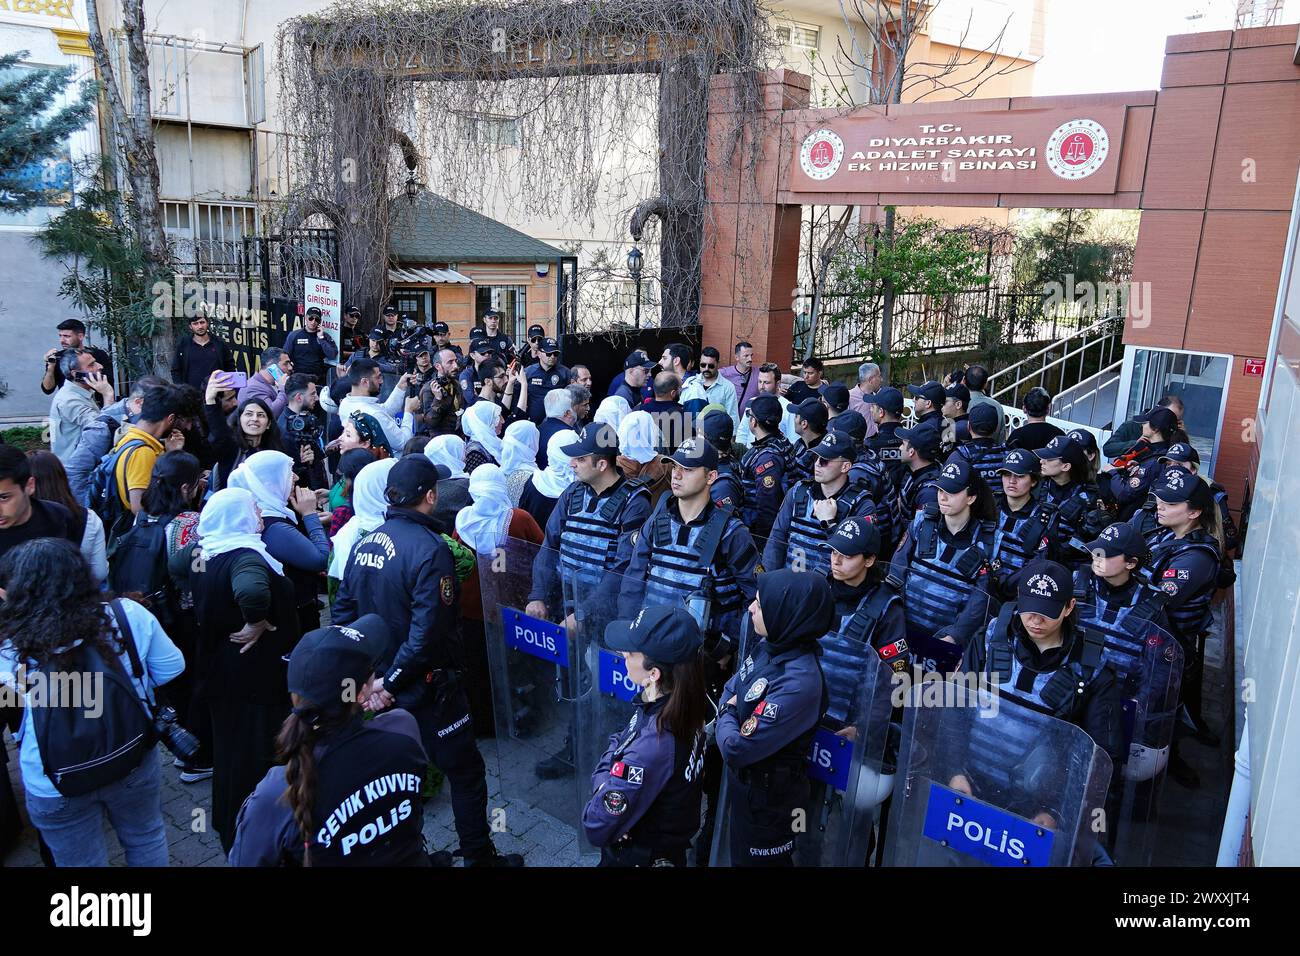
<point x="919" y="452"/>
<point x="717" y="428"/>
<point x="810" y="424"/>
<point x="1127" y="488"/>
<point x="645" y="792"/>
<point x="984" y="452"/>
<point x="764" y="468"/>
<point x="544" y="376"/>
<point x="927" y="403"/>
<point x="772" y="708"/>
<point x="887" y="404"/>
<point x="869" y="472"/>
<point x="491" y="330"/>
<point x="310" y="348"/>
<point x="404" y="572"/>
<point x="956" y="416"/>
<point x="812" y="509"/>
<point x="442" y="340"/>
<point x="390" y="333"/>
<point x="1068" y="488"/>
<point x="1043" y="659"/>
<point x="339" y="757"/>
<point x="1022" y="521"/>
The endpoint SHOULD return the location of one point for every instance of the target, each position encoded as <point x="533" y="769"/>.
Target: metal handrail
<point x="1100" y="380"/>
<point x="1041" y="371"/>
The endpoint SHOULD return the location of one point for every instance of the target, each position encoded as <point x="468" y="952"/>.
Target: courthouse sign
<point x="1005" y="151"/>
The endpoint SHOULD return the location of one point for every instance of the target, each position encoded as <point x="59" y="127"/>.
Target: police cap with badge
<point x="888" y="398"/>
<point x="957" y="475"/>
<point x="1044" y="587"/>
<point x="1177" y="486"/>
<point x="766" y="409"/>
<point x="328" y="666"/>
<point x="637" y="359"/>
<point x="926" y="440"/>
<point x="412" y="478"/>
<point x="1019" y="461"/>
<point x="931" y="391"/>
<point x="1119" y="538"/>
<point x="855" y="536"/>
<point x="1182" y="452"/>
<point x="835" y="444"/>
<point x="695" y="453"/>
<point x="665" y="635"/>
<point x="598" y="438"/>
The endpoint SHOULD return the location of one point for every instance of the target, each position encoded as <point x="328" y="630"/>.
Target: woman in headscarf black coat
<point x="773" y="706"/>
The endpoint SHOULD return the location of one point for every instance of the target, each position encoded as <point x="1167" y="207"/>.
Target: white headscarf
<point x="638" y="437"/>
<point x="228" y="522"/>
<point x="612" y="411"/>
<point x="448" y="451"/>
<point x="519" y="448"/>
<point x="368" y="508"/>
<point x="559" y="472"/>
<point x="480" y="424"/>
<point x="269" y="476"/>
<point x="484" y="523"/>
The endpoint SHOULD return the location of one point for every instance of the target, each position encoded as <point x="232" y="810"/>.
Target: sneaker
<point x="195" y="774"/>
<point x="557" y="766"/>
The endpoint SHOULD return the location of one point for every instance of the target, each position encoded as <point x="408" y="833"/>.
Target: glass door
<point x="1198" y="378"/>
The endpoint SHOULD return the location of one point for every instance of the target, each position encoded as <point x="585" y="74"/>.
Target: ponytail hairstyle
<point x="296" y="744"/>
<point x="687" y="709"/>
<point x="985" y="506"/>
<point x="1080" y="467"/>
<point x="1210" y="521"/>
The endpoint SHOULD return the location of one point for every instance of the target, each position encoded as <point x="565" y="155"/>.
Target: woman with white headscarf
<point x="244" y="606"/>
<point x="485" y="526"/>
<point x="612" y="411"/>
<point x="518" y="457"/>
<point x="368" y="508"/>
<point x="482" y="424"/>
<point x="547" y="485"/>
<point x="638" y="452"/>
<point x="291" y="527"/>
<point x="453" y="492"/>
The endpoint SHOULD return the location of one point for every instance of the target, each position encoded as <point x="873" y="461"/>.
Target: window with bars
<point x="798" y="37"/>
<point x="488" y="130"/>
<point x="510" y="300"/>
<point x="207" y="238"/>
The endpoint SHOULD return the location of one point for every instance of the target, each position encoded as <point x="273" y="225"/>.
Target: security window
<point x="488" y="130"/>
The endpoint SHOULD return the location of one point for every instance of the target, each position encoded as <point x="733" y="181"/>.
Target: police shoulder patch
<point x="614" y="802"/>
<point x="748" y="726"/>
<point x="447" y="589"/>
<point x="769" y="481"/>
<point x="756" y="689"/>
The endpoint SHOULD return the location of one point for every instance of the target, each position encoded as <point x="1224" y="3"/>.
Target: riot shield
<point x="535" y="674"/>
<point x="1148" y="663"/>
<point x="987" y="782"/>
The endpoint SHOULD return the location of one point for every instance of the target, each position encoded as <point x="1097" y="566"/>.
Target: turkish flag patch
<point x="618" y="770"/>
<point x="1171" y="573"/>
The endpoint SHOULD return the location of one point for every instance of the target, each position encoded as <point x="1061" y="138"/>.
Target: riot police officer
<point x="717" y="428"/>
<point x="442" y="340"/>
<point x="772" y="707"/>
<point x="1136" y="471"/>
<point x="1041" y="657"/>
<point x="919" y="453"/>
<point x="943" y="566"/>
<point x="982" y="449"/>
<point x="543" y="376"/>
<point x="645" y="791"/>
<point x="810" y="423"/>
<point x="869" y="472"/>
<point x="813" y="508"/>
<point x="1022" y="521"/>
<point x="403" y="571"/>
<point x="927" y="403"/>
<point x="764" y="470"/>
<point x="1068" y="487"/>
<point x="690" y="547"/>
<point x="303" y="812"/>
<point x="887" y="404"/>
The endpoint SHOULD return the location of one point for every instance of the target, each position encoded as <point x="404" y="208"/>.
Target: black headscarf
<point x="797" y="608"/>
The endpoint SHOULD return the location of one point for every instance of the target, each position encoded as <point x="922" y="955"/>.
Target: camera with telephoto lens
<point x="175" y="738"/>
<point x="303" y="428"/>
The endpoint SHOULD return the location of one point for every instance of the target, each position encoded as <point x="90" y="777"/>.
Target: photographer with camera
<point x="302" y="431"/>
<point x="441" y="401"/>
<point x="54" y="620"/>
<point x="72" y="335"/>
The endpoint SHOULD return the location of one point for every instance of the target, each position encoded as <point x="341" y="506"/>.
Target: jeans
<point x="74" y="826"/>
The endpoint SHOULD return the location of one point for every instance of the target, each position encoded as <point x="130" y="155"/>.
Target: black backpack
<point x="81" y="753"/>
<point x="104" y="498"/>
<point x="139" y="565"/>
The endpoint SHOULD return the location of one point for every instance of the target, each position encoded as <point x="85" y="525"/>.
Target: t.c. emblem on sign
<point x="821" y="153"/>
<point x="1077" y="149"/>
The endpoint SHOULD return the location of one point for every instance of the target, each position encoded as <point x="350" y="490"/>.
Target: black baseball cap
<point x="1044" y="587"/>
<point x="664" y="634"/>
<point x="329" y="665"/>
<point x="836" y="395"/>
<point x="888" y="398"/>
<point x="390" y="310"/>
<point x="536" y="331"/>
<point x="695" y="453"/>
<point x="1161" y="419"/>
<point x="441" y="328"/>
<point x="813" y="412"/>
<point x="1181" y="451"/>
<point x="852" y="424"/>
<point x="855" y="536"/>
<point x="984" y="418"/>
<point x="1056" y="448"/>
<point x="1019" y="461"/>
<point x="549" y="347"/>
<point x="766" y="410"/>
<point x="1083" y="438"/>
<point x="598" y="438"/>
<point x="959" y="392"/>
<point x="353" y="310"/>
<point x="637" y="359"/>
<point x="1177" y="485"/>
<point x="717" y="426"/>
<point x="955" y="476"/>
<point x="412" y="478"/>
<point x="376" y="333"/>
<point x="1120" y="538"/>
<point x="481" y="344"/>
<point x="931" y="391"/>
<point x="926" y="439"/>
<point x="835" y="444"/>
<point x="312" y="311"/>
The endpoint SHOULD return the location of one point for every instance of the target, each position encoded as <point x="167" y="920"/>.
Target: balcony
<point x="199" y="82"/>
